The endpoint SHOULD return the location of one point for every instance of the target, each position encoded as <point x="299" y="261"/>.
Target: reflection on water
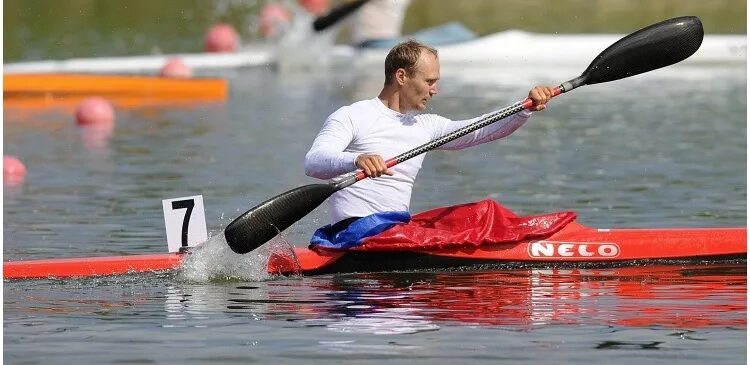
<point x="481" y="316"/>
<point x="687" y="297"/>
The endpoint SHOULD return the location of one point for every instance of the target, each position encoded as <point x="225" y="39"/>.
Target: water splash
<point x="302" y="49"/>
<point x="215" y="261"/>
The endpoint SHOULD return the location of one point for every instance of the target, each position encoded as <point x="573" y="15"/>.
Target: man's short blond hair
<point x="404" y="55"/>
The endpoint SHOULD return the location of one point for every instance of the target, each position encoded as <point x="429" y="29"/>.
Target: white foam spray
<point x="215" y="261"/>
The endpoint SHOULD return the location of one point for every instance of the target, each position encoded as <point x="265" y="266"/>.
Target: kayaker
<point x="378" y="23"/>
<point x="359" y="135"/>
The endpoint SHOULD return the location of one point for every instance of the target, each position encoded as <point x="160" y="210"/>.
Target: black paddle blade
<point x="656" y="46"/>
<point x="337" y="14"/>
<point x="262" y="223"/>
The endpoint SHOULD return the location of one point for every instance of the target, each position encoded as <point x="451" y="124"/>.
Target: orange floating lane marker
<point x="26" y="85"/>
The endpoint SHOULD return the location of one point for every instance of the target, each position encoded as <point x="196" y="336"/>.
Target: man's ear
<point x="400" y="76"/>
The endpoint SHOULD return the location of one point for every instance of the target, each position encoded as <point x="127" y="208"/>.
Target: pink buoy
<point x="95" y="110"/>
<point x="96" y="137"/>
<point x="221" y="38"/>
<point x="14" y="171"/>
<point x="315" y="7"/>
<point x="176" y="68"/>
<point x="273" y="18"/>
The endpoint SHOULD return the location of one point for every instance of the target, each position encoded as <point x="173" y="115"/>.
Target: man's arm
<point x="327" y="158"/>
<point x="500" y="129"/>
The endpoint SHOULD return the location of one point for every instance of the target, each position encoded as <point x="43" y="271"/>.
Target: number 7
<point x="185" y="231"/>
<point x="184" y="204"/>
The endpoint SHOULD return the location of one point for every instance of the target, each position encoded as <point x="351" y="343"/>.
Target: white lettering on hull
<point x="563" y="250"/>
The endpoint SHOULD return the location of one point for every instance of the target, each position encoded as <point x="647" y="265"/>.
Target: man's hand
<point x="373" y="165"/>
<point x="540" y="95"/>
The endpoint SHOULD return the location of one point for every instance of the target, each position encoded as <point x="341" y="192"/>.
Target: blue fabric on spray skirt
<point x="360" y="229"/>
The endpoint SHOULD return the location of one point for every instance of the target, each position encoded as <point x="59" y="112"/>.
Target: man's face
<point x="421" y="86"/>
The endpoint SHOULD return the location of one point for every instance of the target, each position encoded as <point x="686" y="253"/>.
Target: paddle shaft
<point x="350" y="179"/>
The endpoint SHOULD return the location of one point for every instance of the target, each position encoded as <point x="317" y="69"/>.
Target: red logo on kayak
<point x="564" y="250"/>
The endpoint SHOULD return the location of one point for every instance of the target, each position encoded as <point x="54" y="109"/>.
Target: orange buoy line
<point x="42" y="85"/>
<point x="124" y="101"/>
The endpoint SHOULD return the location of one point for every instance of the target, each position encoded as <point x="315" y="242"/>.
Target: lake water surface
<point x="666" y="149"/>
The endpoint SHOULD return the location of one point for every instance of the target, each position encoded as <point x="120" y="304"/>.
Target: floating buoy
<point x="315" y="7"/>
<point x="221" y="38"/>
<point x="14" y="171"/>
<point x="176" y="68"/>
<point x="273" y="19"/>
<point x="96" y="137"/>
<point x="95" y="110"/>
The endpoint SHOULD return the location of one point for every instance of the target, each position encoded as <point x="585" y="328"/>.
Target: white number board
<point x="185" y="221"/>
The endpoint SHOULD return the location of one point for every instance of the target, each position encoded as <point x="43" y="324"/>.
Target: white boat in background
<point x="256" y="55"/>
<point x="507" y="48"/>
<point x="514" y="47"/>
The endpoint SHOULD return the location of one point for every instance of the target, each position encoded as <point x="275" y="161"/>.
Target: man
<point x="360" y="135"/>
<point x="378" y="23"/>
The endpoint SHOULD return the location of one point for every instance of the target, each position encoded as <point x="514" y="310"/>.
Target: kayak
<point x="91" y="266"/>
<point x="573" y="245"/>
<point x="519" y="48"/>
<point x="44" y="85"/>
<point x="507" y="48"/>
<point x="250" y="56"/>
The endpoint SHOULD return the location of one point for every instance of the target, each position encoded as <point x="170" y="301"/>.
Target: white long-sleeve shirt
<point x="369" y="126"/>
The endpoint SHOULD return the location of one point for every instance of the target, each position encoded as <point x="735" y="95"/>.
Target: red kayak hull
<point x="91" y="266"/>
<point x="575" y="244"/>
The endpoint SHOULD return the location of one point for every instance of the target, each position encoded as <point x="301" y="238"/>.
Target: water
<point x="656" y="314"/>
<point x="663" y="149"/>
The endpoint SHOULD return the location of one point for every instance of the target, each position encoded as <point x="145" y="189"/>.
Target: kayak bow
<point x="91" y="266"/>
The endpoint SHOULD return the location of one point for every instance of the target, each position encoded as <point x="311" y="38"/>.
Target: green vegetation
<point x="47" y="29"/>
<point x="575" y="16"/>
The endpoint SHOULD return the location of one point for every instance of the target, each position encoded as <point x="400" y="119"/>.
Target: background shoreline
<point x="46" y="29"/>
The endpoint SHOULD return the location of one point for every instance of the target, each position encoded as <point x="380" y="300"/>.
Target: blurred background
<point x="50" y="29"/>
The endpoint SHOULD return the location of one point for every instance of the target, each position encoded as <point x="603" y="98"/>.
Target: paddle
<point x="336" y="14"/>
<point x="650" y="48"/>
